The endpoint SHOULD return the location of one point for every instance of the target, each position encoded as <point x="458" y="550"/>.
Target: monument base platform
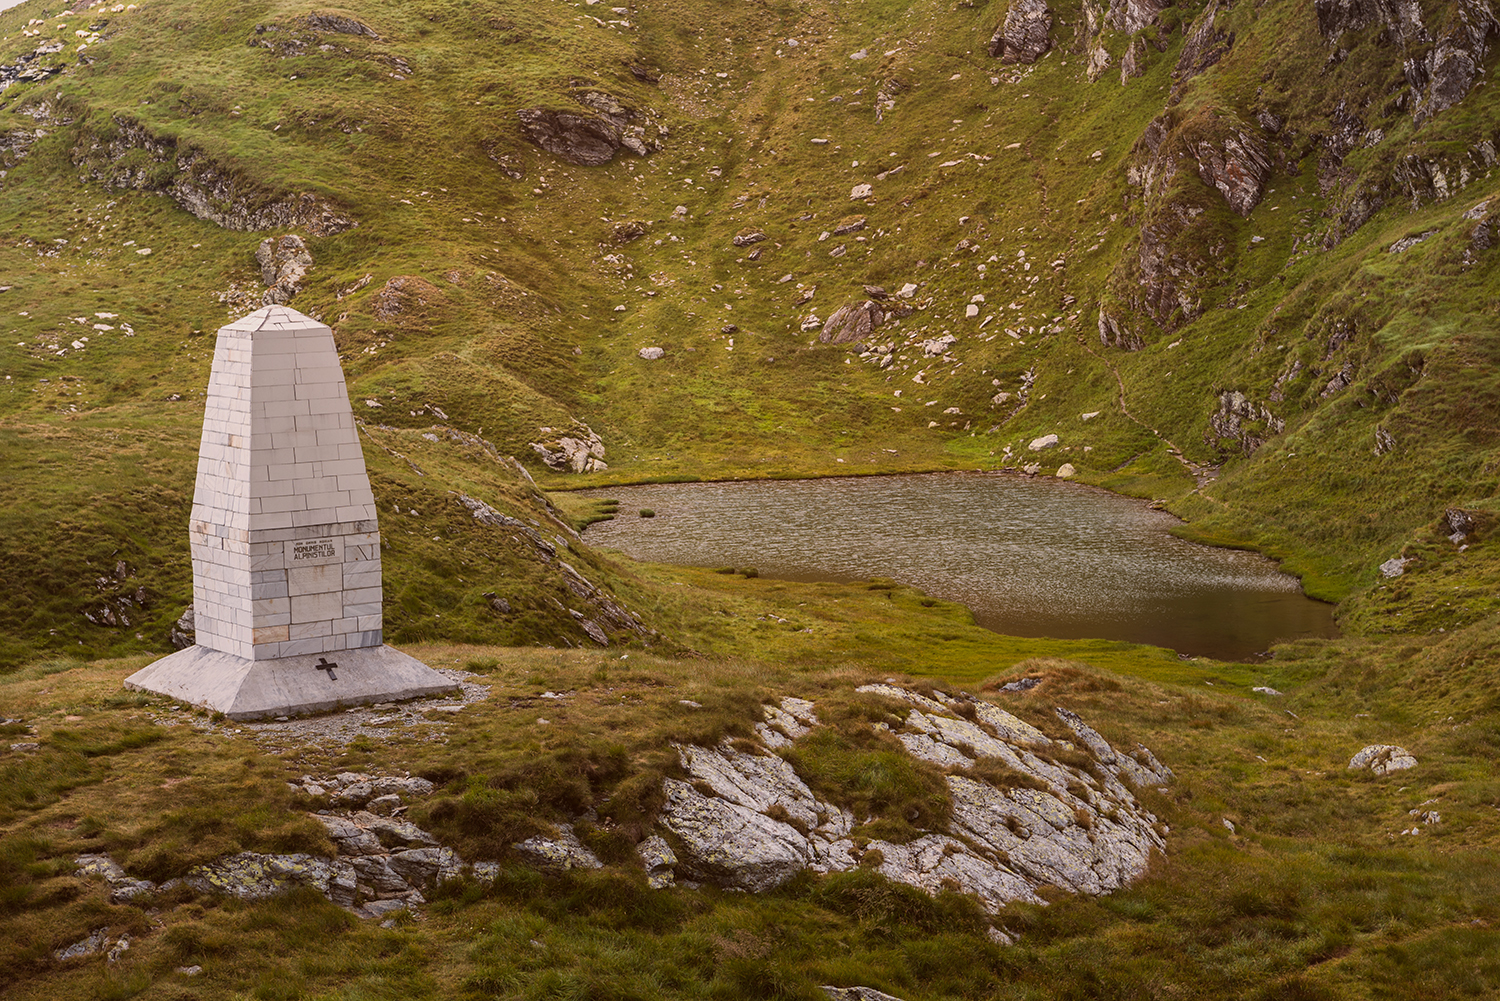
<point x="289" y="686"/>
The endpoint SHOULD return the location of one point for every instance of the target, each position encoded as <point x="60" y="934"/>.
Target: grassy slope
<point x="525" y="334"/>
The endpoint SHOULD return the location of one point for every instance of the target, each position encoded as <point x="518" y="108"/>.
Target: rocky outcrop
<point x="405" y="299"/>
<point x="184" y="632"/>
<point x="852" y="322"/>
<point x="123" y="154"/>
<point x="589" y="140"/>
<point x="578" y="450"/>
<point x="283" y="264"/>
<point x="584" y="140"/>
<point x="1026" y="33"/>
<point x="1440" y="62"/>
<point x="1113" y="333"/>
<point x="1130" y="16"/>
<point x="1382" y="759"/>
<point x="32" y="66"/>
<point x="748" y="821"/>
<point x="1181" y="250"/>
<point x="1206" y="44"/>
<point x="1241" y="420"/>
<point x="340" y="24"/>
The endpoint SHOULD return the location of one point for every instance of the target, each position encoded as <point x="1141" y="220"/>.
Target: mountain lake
<point x="1036" y="557"/>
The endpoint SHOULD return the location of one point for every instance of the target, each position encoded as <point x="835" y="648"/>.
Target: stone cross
<point x="284" y="536"/>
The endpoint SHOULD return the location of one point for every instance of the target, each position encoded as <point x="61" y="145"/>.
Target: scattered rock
<point x="1382" y="759"/>
<point x="936" y="347"/>
<point x="651" y="353"/>
<point x="860" y="191"/>
<point x="1045" y="441"/>
<point x="634" y="229"/>
<point x="849" y="224"/>
<point x="1460" y="524"/>
<point x="1066" y="471"/>
<point x="1264" y="690"/>
<point x="184" y="632"/>
<point x="1026" y="33"/>
<point x="748" y="236"/>
<point x="1394" y="567"/>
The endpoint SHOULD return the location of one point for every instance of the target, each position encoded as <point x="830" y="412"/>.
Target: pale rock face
<point x="1045" y="441"/>
<point x="749" y="822"/>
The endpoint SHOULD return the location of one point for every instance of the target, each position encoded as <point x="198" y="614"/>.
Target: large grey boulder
<point x="731" y="845"/>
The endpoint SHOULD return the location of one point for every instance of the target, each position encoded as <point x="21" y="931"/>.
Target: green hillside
<point x="1258" y="240"/>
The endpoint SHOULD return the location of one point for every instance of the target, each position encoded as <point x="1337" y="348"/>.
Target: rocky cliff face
<point x="123" y="154"/>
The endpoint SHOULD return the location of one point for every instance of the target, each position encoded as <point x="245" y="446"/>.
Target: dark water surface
<point x="1030" y="557"/>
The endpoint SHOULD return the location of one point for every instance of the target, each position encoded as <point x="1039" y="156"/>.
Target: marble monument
<point x="285" y="545"/>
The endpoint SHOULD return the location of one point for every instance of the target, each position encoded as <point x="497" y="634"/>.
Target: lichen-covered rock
<point x="251" y="876"/>
<point x="1026" y="33"/>
<point x="731" y="845"/>
<point x="558" y="854"/>
<point x="122" y="887"/>
<point x="1382" y="759"/>
<point x="659" y="859"/>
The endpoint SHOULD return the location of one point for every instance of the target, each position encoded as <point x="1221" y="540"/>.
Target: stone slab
<point x="244" y="689"/>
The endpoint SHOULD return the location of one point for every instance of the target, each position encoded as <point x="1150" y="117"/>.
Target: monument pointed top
<point x="274" y="318"/>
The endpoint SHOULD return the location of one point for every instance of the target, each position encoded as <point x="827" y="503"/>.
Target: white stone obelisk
<point x="285" y="545"/>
